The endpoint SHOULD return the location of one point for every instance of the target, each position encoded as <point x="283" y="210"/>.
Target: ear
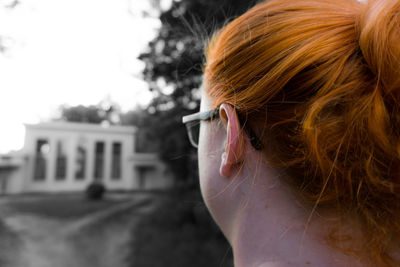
<point x="233" y="152"/>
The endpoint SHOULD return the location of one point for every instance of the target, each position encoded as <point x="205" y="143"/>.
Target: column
<point x="89" y="171"/>
<point x="51" y="162"/>
<point x="107" y="161"/>
<point x="71" y="159"/>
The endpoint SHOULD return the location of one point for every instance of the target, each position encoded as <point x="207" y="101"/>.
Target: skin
<point x="260" y="216"/>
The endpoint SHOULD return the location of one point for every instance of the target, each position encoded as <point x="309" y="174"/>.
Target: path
<point x="99" y="239"/>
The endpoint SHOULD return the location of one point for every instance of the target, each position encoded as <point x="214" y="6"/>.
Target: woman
<point x="299" y="147"/>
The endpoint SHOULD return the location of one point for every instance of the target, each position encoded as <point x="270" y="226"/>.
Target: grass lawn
<point x="61" y="206"/>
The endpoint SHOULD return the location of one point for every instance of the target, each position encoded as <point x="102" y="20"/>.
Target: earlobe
<point x="233" y="153"/>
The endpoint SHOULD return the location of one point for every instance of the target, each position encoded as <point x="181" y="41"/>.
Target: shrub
<point x="95" y="191"/>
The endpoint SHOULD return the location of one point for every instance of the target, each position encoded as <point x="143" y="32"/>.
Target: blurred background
<point x="95" y="165"/>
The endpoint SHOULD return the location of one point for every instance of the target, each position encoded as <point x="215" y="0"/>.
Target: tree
<point x="105" y="111"/>
<point x="177" y="234"/>
<point x="10" y="3"/>
<point x="80" y="113"/>
<point x="147" y="140"/>
<point x="173" y="68"/>
<point x="6" y="41"/>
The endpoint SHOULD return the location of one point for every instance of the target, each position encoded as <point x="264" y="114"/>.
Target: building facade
<point x="67" y="157"/>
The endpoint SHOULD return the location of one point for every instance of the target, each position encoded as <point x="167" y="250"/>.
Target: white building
<point x="67" y="157"/>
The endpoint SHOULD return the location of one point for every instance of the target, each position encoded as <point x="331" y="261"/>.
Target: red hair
<point x="321" y="79"/>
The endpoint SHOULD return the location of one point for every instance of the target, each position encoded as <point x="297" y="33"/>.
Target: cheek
<point x="213" y="186"/>
<point x="209" y="160"/>
<point x="209" y="172"/>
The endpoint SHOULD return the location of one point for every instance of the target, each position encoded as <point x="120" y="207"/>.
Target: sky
<point x="69" y="53"/>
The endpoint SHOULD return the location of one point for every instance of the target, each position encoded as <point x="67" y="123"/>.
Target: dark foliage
<point x="105" y="111"/>
<point x="95" y="191"/>
<point x="176" y="54"/>
<point x="179" y="233"/>
<point x="90" y="114"/>
<point x="163" y="132"/>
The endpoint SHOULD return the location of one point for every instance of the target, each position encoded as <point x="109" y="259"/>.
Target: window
<point x="99" y="161"/>
<point x="116" y="161"/>
<point x="61" y="162"/>
<point x="80" y="164"/>
<point x="40" y="162"/>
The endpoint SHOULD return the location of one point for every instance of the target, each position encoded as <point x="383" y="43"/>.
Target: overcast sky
<point x="70" y="52"/>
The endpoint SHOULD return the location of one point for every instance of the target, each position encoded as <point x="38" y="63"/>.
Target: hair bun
<point x="380" y="41"/>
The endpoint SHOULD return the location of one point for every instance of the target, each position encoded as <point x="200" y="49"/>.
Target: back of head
<point x="319" y="81"/>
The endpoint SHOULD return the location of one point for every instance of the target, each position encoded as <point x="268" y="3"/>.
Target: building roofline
<point x="78" y="126"/>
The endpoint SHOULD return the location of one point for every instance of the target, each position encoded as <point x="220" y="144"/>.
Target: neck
<point x="271" y="228"/>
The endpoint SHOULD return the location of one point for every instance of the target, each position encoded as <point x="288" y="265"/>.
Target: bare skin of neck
<point x="270" y="227"/>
